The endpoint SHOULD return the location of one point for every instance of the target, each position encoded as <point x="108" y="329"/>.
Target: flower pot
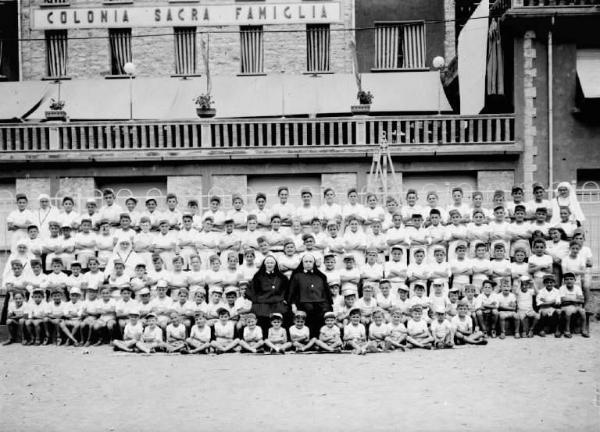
<point x="59" y="115"/>
<point x="360" y="109"/>
<point x="206" y="113"/>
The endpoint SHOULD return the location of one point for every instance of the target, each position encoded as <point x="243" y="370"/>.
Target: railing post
<point x="53" y="137"/>
<point x="361" y="130"/>
<point x="206" y="134"/>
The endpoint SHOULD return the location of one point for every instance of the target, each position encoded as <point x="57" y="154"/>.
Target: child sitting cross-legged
<point x="441" y="330"/>
<point x="418" y="335"/>
<point x="329" y="335"/>
<point x="300" y="334"/>
<point x="378" y="332"/>
<point x="277" y="337"/>
<point x="199" y="340"/>
<point x="355" y="335"/>
<point x="252" y="338"/>
<point x="397" y="334"/>
<point x="132" y="333"/>
<point x="462" y="325"/>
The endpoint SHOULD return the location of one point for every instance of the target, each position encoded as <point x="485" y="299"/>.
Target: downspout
<point x="19" y="53"/>
<point x="550" y="114"/>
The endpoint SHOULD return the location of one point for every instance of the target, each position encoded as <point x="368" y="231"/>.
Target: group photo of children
<point x="360" y="274"/>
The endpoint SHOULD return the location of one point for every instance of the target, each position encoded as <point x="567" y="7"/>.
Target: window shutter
<point x="252" y="49"/>
<point x="120" y="49"/>
<point x="56" y="53"/>
<point x="317" y="47"/>
<point x="185" y="50"/>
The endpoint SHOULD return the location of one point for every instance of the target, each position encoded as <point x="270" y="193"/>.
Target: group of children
<point x="78" y="278"/>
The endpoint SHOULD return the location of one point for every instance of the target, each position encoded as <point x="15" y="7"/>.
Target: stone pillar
<point x="227" y="185"/>
<point x="449" y="30"/>
<point x="530" y="110"/>
<point x="77" y="187"/>
<point x="186" y="188"/>
<point x="33" y="187"/>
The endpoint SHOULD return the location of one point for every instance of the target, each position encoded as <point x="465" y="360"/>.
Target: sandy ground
<point x="539" y="384"/>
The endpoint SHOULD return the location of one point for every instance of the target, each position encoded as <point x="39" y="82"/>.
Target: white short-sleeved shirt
<point x="414" y="328"/>
<point x="505" y="300"/>
<point x="378" y="332"/>
<point x="544" y="261"/>
<point x="570" y="294"/>
<point x="176" y="332"/>
<point x="162" y="306"/>
<point x="17" y="311"/>
<point x="552" y="296"/>
<point x="72" y="310"/>
<point x="525" y="300"/>
<point x="253" y="334"/>
<point x="355" y="333"/>
<point x="397" y="331"/>
<point x="155" y="334"/>
<point x="224" y="331"/>
<point x="201" y="334"/>
<point x="485" y="300"/>
<point x="299" y="334"/>
<point x="464" y="324"/>
<point x="366" y="307"/>
<point x="55" y="310"/>
<point x="330" y="333"/>
<point x="440" y="329"/>
<point x="37" y="311"/>
<point x="133" y="332"/>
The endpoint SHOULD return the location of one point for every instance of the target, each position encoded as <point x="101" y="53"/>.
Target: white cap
<point x="75" y="290"/>
<point x="440" y="309"/>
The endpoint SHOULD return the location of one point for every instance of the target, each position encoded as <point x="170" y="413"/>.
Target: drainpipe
<point x="550" y="114"/>
<point x="19" y="53"/>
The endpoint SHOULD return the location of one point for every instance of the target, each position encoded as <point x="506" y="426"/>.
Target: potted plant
<point x="56" y="111"/>
<point x="364" y="99"/>
<point x="203" y="109"/>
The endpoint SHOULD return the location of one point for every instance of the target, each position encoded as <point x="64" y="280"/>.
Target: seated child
<point x="224" y="340"/>
<point x="441" y="330"/>
<point x="277" y="339"/>
<point x="525" y="295"/>
<point x="252" y="338"/>
<point x="473" y="304"/>
<point x="571" y="303"/>
<point x="403" y="303"/>
<point x="176" y="333"/>
<point x="329" y="335"/>
<point x="355" y="335"/>
<point x="548" y="302"/>
<point x="378" y="332"/>
<point x="72" y="312"/>
<point x="452" y="307"/>
<point x="419" y="299"/>
<point x="152" y="338"/>
<point x="54" y="319"/>
<point x="342" y="312"/>
<point x="385" y="299"/>
<point x="200" y="335"/>
<point x="507" y="308"/>
<point x="487" y="305"/>
<point x="396" y="337"/>
<point x="462" y="326"/>
<point x="300" y="334"/>
<point x="417" y="333"/>
<point x="132" y="334"/>
<point x="366" y="304"/>
<point x="15" y="320"/>
<point x="437" y="298"/>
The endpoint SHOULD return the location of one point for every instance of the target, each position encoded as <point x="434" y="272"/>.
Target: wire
<point x="213" y="32"/>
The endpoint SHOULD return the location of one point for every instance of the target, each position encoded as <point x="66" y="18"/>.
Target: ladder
<point x="382" y="178"/>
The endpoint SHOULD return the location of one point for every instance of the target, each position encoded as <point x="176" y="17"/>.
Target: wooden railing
<point x="263" y="133"/>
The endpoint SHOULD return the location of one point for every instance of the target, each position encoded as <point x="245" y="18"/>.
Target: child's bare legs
<point x="33" y="326"/>
<point x="87" y="330"/>
<point x="252" y="347"/>
<point x="503" y="316"/>
<point x="335" y="346"/>
<point x="197" y="346"/>
<point x="16" y="327"/>
<point x="395" y="343"/>
<point x="120" y="345"/>
<point x="481" y="320"/>
<point x="568" y="312"/>
<point x="547" y="315"/>
<point x="143" y="347"/>
<point x="223" y="347"/>
<point x="47" y="327"/>
<point x="425" y="342"/>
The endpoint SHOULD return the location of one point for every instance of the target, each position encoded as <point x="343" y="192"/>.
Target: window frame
<point x="401" y="24"/>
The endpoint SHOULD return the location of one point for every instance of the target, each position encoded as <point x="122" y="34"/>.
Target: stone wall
<point x="74" y="187"/>
<point x="494" y="180"/>
<point x="33" y="187"/>
<point x="449" y="30"/>
<point x="530" y="110"/>
<point x="185" y="187"/>
<point x="227" y="185"/>
<point x="153" y="48"/>
<point x="339" y="182"/>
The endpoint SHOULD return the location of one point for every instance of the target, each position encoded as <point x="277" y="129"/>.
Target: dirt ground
<point x="539" y="384"/>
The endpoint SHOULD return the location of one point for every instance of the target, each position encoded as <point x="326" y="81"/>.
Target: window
<point x="317" y="48"/>
<point x="56" y="53"/>
<point x="120" y="49"/>
<point x="252" y="48"/>
<point x="185" y="50"/>
<point x="399" y="46"/>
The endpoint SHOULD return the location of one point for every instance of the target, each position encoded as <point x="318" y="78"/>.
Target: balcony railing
<point x="554" y="3"/>
<point x="406" y="133"/>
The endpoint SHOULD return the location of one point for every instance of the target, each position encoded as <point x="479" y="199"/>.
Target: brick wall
<point x="154" y="56"/>
<point x="449" y="30"/>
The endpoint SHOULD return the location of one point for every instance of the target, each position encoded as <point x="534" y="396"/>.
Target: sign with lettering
<point x="172" y="16"/>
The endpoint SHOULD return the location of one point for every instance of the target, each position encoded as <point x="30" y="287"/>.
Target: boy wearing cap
<point x="252" y="339"/>
<point x="329" y="335"/>
<point x="277" y="338"/>
<point x="72" y="312"/>
<point x="224" y="333"/>
<point x="366" y="304"/>
<point x="300" y="333"/>
<point x="152" y="337"/>
<point x="89" y="314"/>
<point x="342" y="311"/>
<point x="355" y="334"/>
<point x="371" y="271"/>
<point x="548" y="302"/>
<point x="437" y="298"/>
<point x="91" y="213"/>
<point x="487" y="307"/>
<point x="200" y="335"/>
<point x="417" y="272"/>
<point x="132" y="333"/>
<point x="507" y="307"/>
<point x="418" y="335"/>
<point x="439" y="268"/>
<point x="162" y="305"/>
<point x="525" y="312"/>
<point x="441" y="330"/>
<point x="571" y="303"/>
